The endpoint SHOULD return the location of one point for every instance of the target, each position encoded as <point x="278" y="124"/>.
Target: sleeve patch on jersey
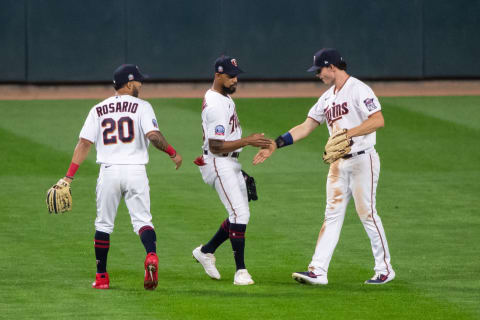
<point x="370" y="104"/>
<point x="155" y="124"/>
<point x="219" y="130"/>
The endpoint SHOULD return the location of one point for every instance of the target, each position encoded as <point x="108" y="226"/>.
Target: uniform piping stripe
<point x="236" y="236"/>
<point x="379" y="234"/>
<point x="226" y="225"/>
<point x="102" y="246"/>
<point x="218" y="176"/>
<point x="143" y="229"/>
<point x="101" y="241"/>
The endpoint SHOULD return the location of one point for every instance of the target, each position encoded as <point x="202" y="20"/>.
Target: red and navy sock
<point x="101" y="244"/>
<point x="218" y="238"/>
<point x="149" y="238"/>
<point x="237" y="238"/>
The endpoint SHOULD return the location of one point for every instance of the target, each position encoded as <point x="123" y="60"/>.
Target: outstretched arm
<point x="303" y="130"/>
<point x="159" y="142"/>
<point x="295" y="134"/>
<point x="221" y="146"/>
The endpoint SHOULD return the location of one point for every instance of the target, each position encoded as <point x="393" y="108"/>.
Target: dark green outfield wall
<point x="83" y="41"/>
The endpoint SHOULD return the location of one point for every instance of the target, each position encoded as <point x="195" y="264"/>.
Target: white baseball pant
<point x="225" y="175"/>
<point x="129" y="181"/>
<point x="357" y="177"/>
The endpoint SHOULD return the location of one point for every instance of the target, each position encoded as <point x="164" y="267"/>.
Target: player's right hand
<point x="177" y="160"/>
<point x="258" y="140"/>
<point x="264" y="153"/>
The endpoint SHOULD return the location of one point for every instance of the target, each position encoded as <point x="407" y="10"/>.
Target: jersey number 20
<point x="125" y="130"/>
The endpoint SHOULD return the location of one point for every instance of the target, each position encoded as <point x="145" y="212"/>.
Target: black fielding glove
<point x="251" y="187"/>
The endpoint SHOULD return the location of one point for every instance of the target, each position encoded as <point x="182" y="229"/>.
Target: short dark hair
<point x="342" y="65"/>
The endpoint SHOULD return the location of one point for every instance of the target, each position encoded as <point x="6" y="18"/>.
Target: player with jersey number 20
<point x="121" y="128"/>
<point x="351" y="107"/>
<point x="219" y="166"/>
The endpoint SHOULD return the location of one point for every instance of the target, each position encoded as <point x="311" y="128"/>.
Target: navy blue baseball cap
<point x="324" y="58"/>
<point x="228" y="65"/>
<point x="126" y="73"/>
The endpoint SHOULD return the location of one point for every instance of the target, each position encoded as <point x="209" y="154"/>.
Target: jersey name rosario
<point x="112" y="107"/>
<point x="118" y="127"/>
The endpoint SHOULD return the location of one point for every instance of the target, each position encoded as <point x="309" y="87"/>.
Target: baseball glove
<point x="338" y="145"/>
<point x="251" y="187"/>
<point x="59" y="197"/>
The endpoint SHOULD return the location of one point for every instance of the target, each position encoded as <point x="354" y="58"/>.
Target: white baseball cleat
<point x="310" y="278"/>
<point x="380" y="278"/>
<point x="242" y="278"/>
<point x="207" y="260"/>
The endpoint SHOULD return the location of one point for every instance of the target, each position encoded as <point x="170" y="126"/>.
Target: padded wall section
<point x="175" y="39"/>
<point x="277" y="38"/>
<point x="452" y="38"/>
<point x="13" y="40"/>
<point x="72" y="41"/>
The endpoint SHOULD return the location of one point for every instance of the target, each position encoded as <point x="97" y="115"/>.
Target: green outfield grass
<point x="427" y="198"/>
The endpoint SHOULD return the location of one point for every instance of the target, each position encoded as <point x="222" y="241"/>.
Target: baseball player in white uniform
<point x="348" y="104"/>
<point x="219" y="166"/>
<point x="121" y="127"/>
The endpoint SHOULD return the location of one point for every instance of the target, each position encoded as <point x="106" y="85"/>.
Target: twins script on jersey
<point x="347" y="108"/>
<point x="118" y="127"/>
<point x="219" y="119"/>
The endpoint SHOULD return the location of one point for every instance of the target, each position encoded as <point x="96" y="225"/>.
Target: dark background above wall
<point x="50" y="41"/>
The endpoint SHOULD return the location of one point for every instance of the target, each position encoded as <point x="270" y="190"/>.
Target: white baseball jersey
<point x="347" y="108"/>
<point x="355" y="177"/>
<point x="118" y="127"/>
<point x="219" y="120"/>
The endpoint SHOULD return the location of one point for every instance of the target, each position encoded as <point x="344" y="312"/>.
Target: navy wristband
<point x="284" y="140"/>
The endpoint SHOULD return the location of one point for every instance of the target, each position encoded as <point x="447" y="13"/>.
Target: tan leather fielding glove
<point x="59" y="197"/>
<point x="337" y="146"/>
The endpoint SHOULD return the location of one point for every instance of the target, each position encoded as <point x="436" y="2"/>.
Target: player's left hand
<point x="264" y="153"/>
<point x="338" y="145"/>
<point x="177" y="160"/>
<point x="59" y="197"/>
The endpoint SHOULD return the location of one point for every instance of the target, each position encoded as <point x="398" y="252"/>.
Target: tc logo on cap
<point x="130" y="77"/>
<point x="220" y="69"/>
<point x="234" y="62"/>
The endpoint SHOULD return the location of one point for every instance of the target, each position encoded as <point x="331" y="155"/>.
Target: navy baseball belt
<point x="232" y="155"/>
<point x="350" y="155"/>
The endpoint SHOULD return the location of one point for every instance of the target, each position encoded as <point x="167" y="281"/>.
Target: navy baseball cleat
<point x="310" y="277"/>
<point x="379" y="278"/>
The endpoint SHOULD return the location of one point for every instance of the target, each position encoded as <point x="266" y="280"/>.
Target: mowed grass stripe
<point x="280" y="239"/>
<point x="459" y="110"/>
<point x="414" y="141"/>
